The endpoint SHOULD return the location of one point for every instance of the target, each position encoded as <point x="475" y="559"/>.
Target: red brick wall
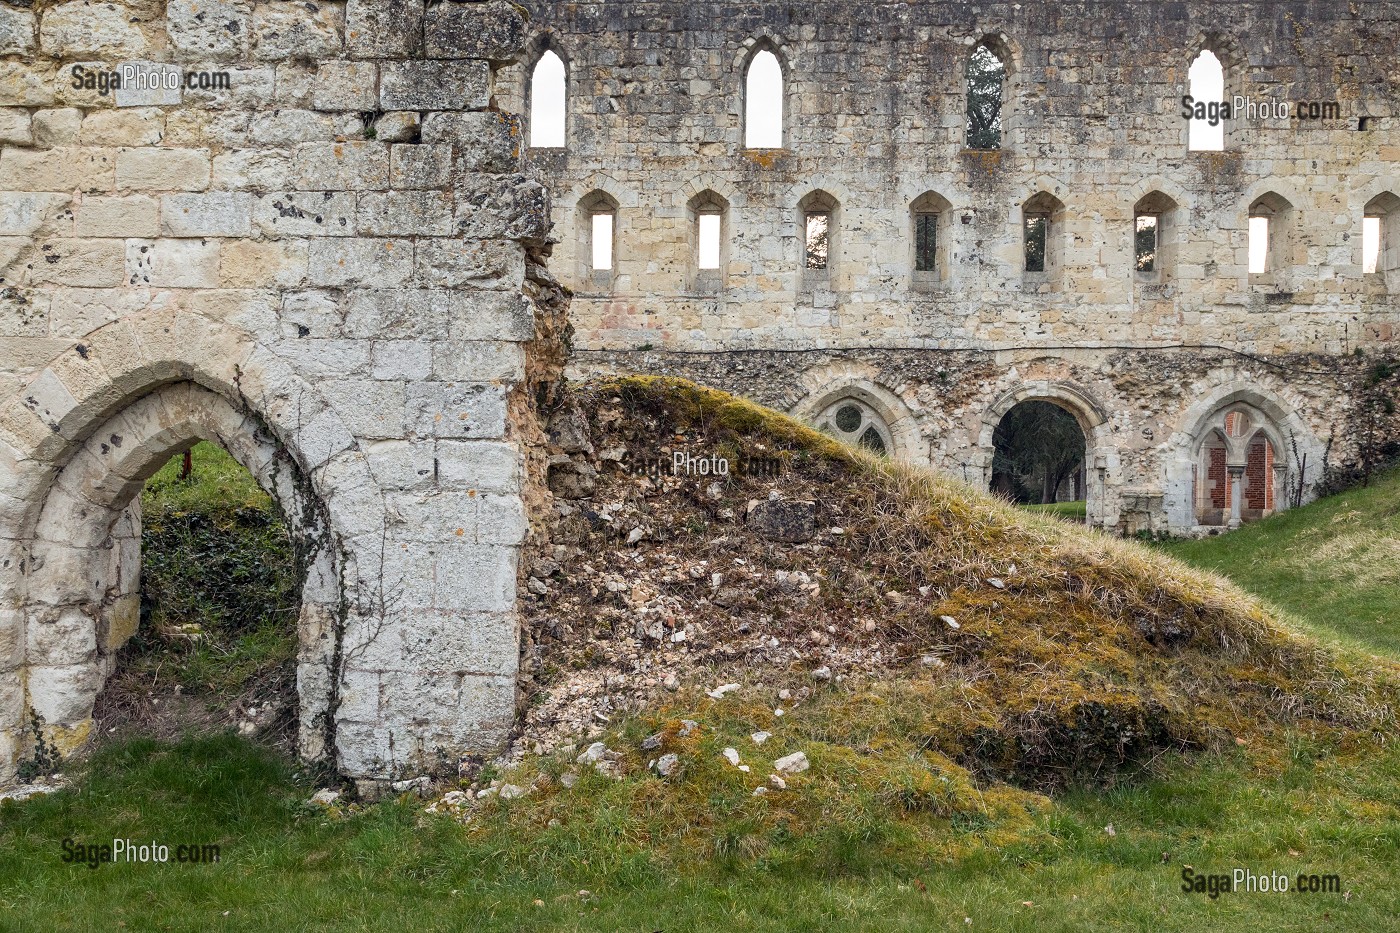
<point x="1259" y="475"/>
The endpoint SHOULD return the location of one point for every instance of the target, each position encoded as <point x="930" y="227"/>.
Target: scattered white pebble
<point x="731" y="755"/>
<point x="719" y="692"/>
<point x="760" y="737"/>
<point x="950" y="622"/>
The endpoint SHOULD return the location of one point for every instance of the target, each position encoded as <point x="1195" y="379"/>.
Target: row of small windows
<point x="1154" y="234"/>
<point x="763" y="100"/>
<point x="985" y="79"/>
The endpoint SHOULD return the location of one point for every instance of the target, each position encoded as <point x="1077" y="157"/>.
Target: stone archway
<point x="409" y="644"/>
<point x="1293" y="456"/>
<point x="882" y="413"/>
<point x="81" y="599"/>
<point x="1093" y="424"/>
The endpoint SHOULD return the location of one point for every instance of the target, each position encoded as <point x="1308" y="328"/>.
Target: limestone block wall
<point x="319" y="250"/>
<point x="875" y="102"/>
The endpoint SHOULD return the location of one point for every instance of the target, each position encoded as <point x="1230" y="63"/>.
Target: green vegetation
<point x="1333" y="566"/>
<point x="1175" y="722"/>
<point x="219" y="579"/>
<point x="1304" y="804"/>
<point x="1071" y="511"/>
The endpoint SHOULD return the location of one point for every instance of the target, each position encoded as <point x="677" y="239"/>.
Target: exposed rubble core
<point x="1042" y="653"/>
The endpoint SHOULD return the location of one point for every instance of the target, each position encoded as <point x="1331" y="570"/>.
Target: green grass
<point x="1312" y="807"/>
<point x="1333" y="566"/>
<point x="1069" y="510"/>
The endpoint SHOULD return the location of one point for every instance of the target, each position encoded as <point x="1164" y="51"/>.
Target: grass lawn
<point x="1312" y="809"/>
<point x="1068" y="510"/>
<point x="1333" y="566"/>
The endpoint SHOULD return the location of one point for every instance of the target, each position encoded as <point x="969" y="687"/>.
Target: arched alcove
<point x="82" y="594"/>
<point x="1089" y="416"/>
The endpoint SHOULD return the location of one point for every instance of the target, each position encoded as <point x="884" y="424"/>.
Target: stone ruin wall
<point x="334" y="268"/>
<point x="875" y="103"/>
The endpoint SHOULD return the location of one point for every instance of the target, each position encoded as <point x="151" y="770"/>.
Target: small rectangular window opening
<point x="1370" y="244"/>
<point x="709" y="241"/>
<point x="925" y="242"/>
<point x="818" y="240"/>
<point x="602" y="241"/>
<point x="1258" y="245"/>
<point x="1145" y="243"/>
<point x="1037" y="230"/>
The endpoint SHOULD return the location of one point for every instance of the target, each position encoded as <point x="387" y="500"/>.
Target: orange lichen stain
<point x="764" y="157"/>
<point x="339" y="151"/>
<point x="471" y="493"/>
<point x="459" y="532"/>
<point x="389" y="245"/>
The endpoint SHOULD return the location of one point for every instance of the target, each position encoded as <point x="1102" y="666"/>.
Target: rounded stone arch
<point x="707" y="183"/>
<point x="1003" y="46"/>
<point x="748" y="51"/>
<point x="1281" y="413"/>
<point x="78" y="442"/>
<point x="1272" y="188"/>
<point x="897" y="422"/>
<point x="1272" y="413"/>
<point x="1182" y="199"/>
<point x="545" y="40"/>
<point x="1092" y="418"/>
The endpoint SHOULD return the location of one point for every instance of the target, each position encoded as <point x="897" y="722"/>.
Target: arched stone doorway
<point x="1239" y="475"/>
<point x="82" y="599"/>
<point x="407" y="631"/>
<point x="1038" y="455"/>
<point x="1085" y="446"/>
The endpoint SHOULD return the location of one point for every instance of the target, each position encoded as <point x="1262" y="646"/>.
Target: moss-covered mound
<point x="914" y="611"/>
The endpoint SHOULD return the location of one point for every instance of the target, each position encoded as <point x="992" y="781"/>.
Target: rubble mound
<point x="698" y="544"/>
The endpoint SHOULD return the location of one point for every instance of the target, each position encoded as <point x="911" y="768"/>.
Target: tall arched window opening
<point x="986" y="77"/>
<point x="1206" y="85"/>
<point x="547" y="102"/>
<point x="1269" y="250"/>
<point x="763" y="102"/>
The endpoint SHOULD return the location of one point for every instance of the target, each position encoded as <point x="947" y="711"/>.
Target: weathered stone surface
<point x="503" y="207"/>
<point x="493" y="30"/>
<point x="161" y="169"/>
<point x="16" y="127"/>
<point x="343" y="166"/>
<point x="440" y="84"/>
<point x="222" y="214"/>
<point x="789" y="520"/>
<point x="402" y="213"/>
<point x="213" y="30"/>
<point x="484" y="141"/>
<point x="412" y="166"/>
<point x="16" y="31"/>
<point x="306" y="31"/>
<point x="346" y="86"/>
<point x="82" y="28"/>
<point x="57" y="127"/>
<point x="384" y="28"/>
<point x="134" y="215"/>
